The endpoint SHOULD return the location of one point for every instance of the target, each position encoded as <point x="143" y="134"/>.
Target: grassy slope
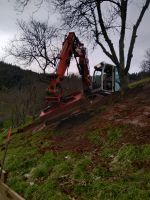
<point x="67" y="175"/>
<point x="109" y="171"/>
<point x="140" y="82"/>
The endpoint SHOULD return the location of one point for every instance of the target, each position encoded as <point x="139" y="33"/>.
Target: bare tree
<point x="145" y="66"/>
<point x="97" y="19"/>
<point x="35" y="44"/>
<point x="21" y="4"/>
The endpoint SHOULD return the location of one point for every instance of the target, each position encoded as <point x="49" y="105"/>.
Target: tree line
<point x="23" y="92"/>
<point x="97" y="20"/>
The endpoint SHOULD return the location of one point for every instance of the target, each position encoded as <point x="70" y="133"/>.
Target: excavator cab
<point x="105" y="78"/>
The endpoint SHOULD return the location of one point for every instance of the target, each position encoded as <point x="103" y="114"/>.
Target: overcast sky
<point x="8" y="29"/>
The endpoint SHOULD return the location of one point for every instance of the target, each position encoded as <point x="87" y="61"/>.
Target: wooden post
<point x="3" y="175"/>
<point x="8" y="194"/>
<point x="5" y="153"/>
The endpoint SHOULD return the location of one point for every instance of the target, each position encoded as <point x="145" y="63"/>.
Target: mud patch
<point x="74" y="120"/>
<point x="139" y="164"/>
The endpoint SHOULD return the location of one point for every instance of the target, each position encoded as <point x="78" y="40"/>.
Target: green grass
<point x="100" y="109"/>
<point x="127" y="154"/>
<point x="101" y="172"/>
<point x="3" y="133"/>
<point x="112" y="135"/>
<point x="46" y="191"/>
<point x="17" y="183"/>
<point x="139" y="83"/>
<point x="107" y="152"/>
<point x="95" y="137"/>
<point x="66" y="175"/>
<point x="132" y="152"/>
<point x="79" y="170"/>
<point x="20" y="160"/>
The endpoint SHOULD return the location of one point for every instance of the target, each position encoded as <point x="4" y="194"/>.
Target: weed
<point x="49" y="159"/>
<point x="108" y="152"/>
<point x="128" y="152"/>
<point x="109" y="191"/>
<point x="30" y="191"/>
<point x="99" y="172"/>
<point x="101" y="109"/>
<point x="61" y="169"/>
<point x="46" y="144"/>
<point x="20" y="160"/>
<point x="2" y="134"/>
<point x="40" y="171"/>
<point x="95" y="137"/>
<point x="145" y="152"/>
<point x="84" y="190"/>
<point x="114" y="134"/>
<point x="122" y="162"/>
<point x="17" y="183"/>
<point x="49" y="191"/>
<point x="7" y="123"/>
<point x="79" y="170"/>
<point x="140" y="176"/>
<point x="45" y="164"/>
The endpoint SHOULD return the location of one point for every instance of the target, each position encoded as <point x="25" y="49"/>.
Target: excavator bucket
<point x="57" y="111"/>
<point x="67" y="105"/>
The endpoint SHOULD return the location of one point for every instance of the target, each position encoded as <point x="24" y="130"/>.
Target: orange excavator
<point x="57" y="103"/>
<point x="59" y="107"/>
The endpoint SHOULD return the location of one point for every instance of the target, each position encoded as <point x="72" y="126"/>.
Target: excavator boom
<point x="56" y="101"/>
<point x="71" y="46"/>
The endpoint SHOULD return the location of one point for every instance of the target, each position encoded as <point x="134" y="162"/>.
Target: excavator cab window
<point x="96" y="83"/>
<point x="117" y="80"/>
<point x="108" y="78"/>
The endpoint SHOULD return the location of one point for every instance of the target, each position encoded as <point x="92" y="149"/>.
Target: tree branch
<point x="123" y="8"/>
<point x="107" y="39"/>
<point x="134" y="35"/>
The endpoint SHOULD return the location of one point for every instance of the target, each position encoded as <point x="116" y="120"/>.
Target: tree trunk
<point x="123" y="81"/>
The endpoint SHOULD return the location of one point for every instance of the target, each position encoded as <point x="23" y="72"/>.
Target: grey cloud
<point x="8" y="27"/>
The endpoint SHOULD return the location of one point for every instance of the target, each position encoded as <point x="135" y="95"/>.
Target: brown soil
<point x="131" y="111"/>
<point x="139" y="164"/>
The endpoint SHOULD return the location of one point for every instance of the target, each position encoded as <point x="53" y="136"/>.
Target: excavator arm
<point x="71" y="46"/>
